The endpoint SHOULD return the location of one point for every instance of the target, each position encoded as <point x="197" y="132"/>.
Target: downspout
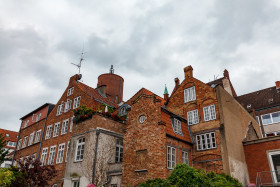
<point x="95" y="155"/>
<point x="16" y="146"/>
<point x="43" y="133"/>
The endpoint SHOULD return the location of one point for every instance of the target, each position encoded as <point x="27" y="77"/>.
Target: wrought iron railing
<point x="268" y="178"/>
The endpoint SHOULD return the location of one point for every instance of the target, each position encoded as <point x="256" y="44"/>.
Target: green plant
<point x="3" y="152"/>
<point x="6" y="177"/>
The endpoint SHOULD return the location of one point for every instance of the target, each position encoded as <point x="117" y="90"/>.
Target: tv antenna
<point x="80" y="63"/>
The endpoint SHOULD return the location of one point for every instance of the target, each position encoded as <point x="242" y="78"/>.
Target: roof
<point x="147" y="92"/>
<point x="44" y="105"/>
<point x="220" y="82"/>
<point x="109" y="100"/>
<point x="12" y="135"/>
<point x="260" y="99"/>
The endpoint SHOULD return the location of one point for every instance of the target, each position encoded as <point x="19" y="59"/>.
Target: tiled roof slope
<point x="260" y="99"/>
<point x="12" y="136"/>
<point x="186" y="136"/>
<point x="146" y="92"/>
<point x="95" y="95"/>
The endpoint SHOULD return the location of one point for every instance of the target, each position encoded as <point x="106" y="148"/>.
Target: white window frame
<point x="44" y="156"/>
<point x="64" y="126"/>
<point x="258" y="120"/>
<point x="37" y="136"/>
<point x="270" y="114"/>
<point x="77" y="102"/>
<point x="270" y="154"/>
<point x="59" y="109"/>
<point x="60" y="153"/>
<point x="76" y="183"/>
<point x="119" y="151"/>
<point x="171" y="157"/>
<point x="177" y="126"/>
<point x="70" y="91"/>
<point x="24" y="142"/>
<point x="52" y="155"/>
<point x="193" y="117"/>
<point x="31" y="137"/>
<point x="206" y="141"/>
<point x="185" y="157"/>
<point x="68" y="105"/>
<point x="38" y="117"/>
<point x="56" y="129"/>
<point x="209" y="112"/>
<point x="19" y="144"/>
<point x="80" y="147"/>
<point x="189" y="94"/>
<point x="48" y="132"/>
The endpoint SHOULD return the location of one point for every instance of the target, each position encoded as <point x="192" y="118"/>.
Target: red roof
<point x="12" y="136"/>
<point x="97" y="96"/>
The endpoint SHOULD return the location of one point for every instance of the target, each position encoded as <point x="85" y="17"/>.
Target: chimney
<point x="226" y="74"/>
<point x="277" y="85"/>
<point x="188" y="72"/>
<point x="165" y="94"/>
<point x="75" y="78"/>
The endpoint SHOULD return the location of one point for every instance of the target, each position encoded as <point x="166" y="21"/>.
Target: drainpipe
<point x="43" y="133"/>
<point x="16" y="146"/>
<point x="95" y="155"/>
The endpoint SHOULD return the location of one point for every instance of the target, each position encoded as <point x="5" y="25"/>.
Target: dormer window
<point x="70" y="91"/>
<point x="249" y="106"/>
<point x="7" y="135"/>
<point x="123" y="111"/>
<point x="177" y="126"/>
<point x="189" y="94"/>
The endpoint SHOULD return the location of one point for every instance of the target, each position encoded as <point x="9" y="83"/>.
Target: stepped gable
<point x="97" y="96"/>
<point x="261" y="99"/>
<point x="146" y="92"/>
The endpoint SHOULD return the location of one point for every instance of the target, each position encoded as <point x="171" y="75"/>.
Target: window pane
<point x="276" y="117"/>
<point x="266" y="119"/>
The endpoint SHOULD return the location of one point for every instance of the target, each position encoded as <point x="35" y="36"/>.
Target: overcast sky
<point x="148" y="42"/>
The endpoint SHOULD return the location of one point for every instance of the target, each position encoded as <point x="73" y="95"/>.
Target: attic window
<point x="177" y="126"/>
<point x="142" y="118"/>
<point x="7" y="135"/>
<point x="270" y="101"/>
<point x="249" y="106"/>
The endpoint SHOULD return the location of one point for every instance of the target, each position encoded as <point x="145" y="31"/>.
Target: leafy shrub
<point x="183" y="176"/>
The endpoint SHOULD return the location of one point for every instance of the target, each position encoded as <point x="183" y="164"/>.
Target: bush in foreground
<point x="183" y="176"/>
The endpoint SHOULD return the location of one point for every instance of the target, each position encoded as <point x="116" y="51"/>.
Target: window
<point x="56" y="129"/>
<point x="271" y="118"/>
<point x="64" y="126"/>
<point x="26" y="123"/>
<point x="71" y="124"/>
<point x="274" y="159"/>
<point x="44" y="155"/>
<point x="185" y="157"/>
<point x="76" y="183"/>
<point x="59" y="109"/>
<point x="19" y="144"/>
<point x="68" y="105"/>
<point x="171" y="157"/>
<point x="48" y="132"/>
<point x="258" y="120"/>
<point x="80" y="149"/>
<point x="31" y="137"/>
<point x="177" y="126"/>
<point x="37" y="137"/>
<point x="24" y="141"/>
<point x="11" y="144"/>
<point x="209" y="113"/>
<point x="52" y="154"/>
<point x="119" y="151"/>
<point x="142" y="118"/>
<point x="34" y="156"/>
<point x="123" y="111"/>
<point x="77" y="101"/>
<point x="70" y="91"/>
<point x="193" y="117"/>
<point x="38" y="117"/>
<point x="206" y="141"/>
<point x="60" y="153"/>
<point x="189" y="94"/>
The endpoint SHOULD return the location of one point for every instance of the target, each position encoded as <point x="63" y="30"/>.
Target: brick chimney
<point x="75" y="78"/>
<point x="226" y="74"/>
<point x="188" y="72"/>
<point x="277" y="85"/>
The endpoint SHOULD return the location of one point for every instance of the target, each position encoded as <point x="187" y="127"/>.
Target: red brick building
<point x="11" y="139"/>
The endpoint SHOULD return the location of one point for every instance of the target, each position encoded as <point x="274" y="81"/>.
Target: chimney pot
<point x="188" y="72"/>
<point x="277" y="85"/>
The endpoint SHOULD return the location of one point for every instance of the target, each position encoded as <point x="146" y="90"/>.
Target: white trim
<point x="272" y="165"/>
<point x="189" y="94"/>
<point x="209" y="112"/>
<point x="193" y="117"/>
<point x="48" y="132"/>
<point x="205" y="141"/>
<point x="52" y="155"/>
<point x="80" y="146"/>
<point x="60" y="153"/>
<point x="64" y="126"/>
<point x="44" y="155"/>
<point x="171" y="163"/>
<point x="56" y="129"/>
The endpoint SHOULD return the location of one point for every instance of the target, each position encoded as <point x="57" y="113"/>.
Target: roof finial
<point x="112" y="69"/>
<point x="165" y="90"/>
